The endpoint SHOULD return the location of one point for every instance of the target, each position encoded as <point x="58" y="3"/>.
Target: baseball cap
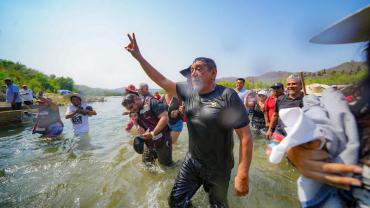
<point x="262" y="92"/>
<point x="277" y="85"/>
<point x="138" y="145"/>
<point x="186" y="72"/>
<point x="8" y="79"/>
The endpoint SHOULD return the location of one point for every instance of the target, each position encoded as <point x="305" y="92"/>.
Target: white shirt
<point x="80" y="122"/>
<point x="242" y="94"/>
<point x="26" y="95"/>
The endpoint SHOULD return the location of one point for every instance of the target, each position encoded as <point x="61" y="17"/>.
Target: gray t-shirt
<point x="211" y="119"/>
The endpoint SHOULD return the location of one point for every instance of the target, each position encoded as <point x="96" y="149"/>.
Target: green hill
<point x="35" y="80"/>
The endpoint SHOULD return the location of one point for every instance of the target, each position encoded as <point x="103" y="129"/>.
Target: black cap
<point x="277" y="85"/>
<point x="186" y="72"/>
<point x="139" y="145"/>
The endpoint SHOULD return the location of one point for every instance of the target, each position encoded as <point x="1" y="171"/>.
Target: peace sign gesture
<point x="132" y="47"/>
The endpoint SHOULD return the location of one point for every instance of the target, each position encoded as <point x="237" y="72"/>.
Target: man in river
<point x="213" y="112"/>
<point x="153" y="120"/>
<point x="292" y="99"/>
<point x="79" y="114"/>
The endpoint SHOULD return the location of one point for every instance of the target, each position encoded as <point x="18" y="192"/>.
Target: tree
<point x="65" y="83"/>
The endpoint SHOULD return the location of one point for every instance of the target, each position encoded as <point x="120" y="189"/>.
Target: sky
<point x="85" y="40"/>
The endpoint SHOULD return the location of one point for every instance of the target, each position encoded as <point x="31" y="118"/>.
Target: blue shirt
<point x="10" y="90"/>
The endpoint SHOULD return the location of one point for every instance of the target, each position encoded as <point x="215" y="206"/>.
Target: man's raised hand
<point x="132" y="47"/>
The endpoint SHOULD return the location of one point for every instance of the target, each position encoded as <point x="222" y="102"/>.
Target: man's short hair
<point x="241" y="79"/>
<point x="209" y="62"/>
<point x="128" y="99"/>
<point x="295" y="77"/>
<point x="144" y="85"/>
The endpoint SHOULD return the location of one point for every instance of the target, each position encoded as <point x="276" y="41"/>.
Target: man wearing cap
<point x="79" y="114"/>
<point x="213" y="113"/>
<point x="277" y="91"/>
<point x="152" y="117"/>
<point x="26" y="95"/>
<point x="291" y="100"/>
<point x="12" y="94"/>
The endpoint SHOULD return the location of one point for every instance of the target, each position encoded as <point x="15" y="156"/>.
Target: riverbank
<point x="61" y="101"/>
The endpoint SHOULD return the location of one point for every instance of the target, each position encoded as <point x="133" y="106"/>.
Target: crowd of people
<point x="47" y="121"/>
<point x="213" y="113"/>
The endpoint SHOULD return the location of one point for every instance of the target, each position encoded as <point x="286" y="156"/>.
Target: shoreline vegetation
<point x="348" y="73"/>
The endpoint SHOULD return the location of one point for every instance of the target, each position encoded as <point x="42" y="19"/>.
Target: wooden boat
<point x="15" y="117"/>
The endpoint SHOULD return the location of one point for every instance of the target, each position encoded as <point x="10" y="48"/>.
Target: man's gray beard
<point x="197" y="84"/>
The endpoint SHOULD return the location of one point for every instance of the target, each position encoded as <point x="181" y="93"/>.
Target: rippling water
<point x="39" y="173"/>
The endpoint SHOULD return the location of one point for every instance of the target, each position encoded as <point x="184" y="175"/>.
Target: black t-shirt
<point x="157" y="107"/>
<point x="286" y="102"/>
<point x="173" y="105"/>
<point x="211" y="119"/>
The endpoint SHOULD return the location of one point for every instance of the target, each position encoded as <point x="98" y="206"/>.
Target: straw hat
<point x="70" y="95"/>
<point x="316" y="89"/>
<point x="353" y="28"/>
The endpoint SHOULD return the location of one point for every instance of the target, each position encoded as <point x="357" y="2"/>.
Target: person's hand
<point x="147" y="136"/>
<point x="140" y="130"/>
<point x="174" y="113"/>
<point x="268" y="134"/>
<point x="310" y="162"/>
<point x="241" y="185"/>
<point x="132" y="47"/>
<point x="182" y="109"/>
<point x="267" y="125"/>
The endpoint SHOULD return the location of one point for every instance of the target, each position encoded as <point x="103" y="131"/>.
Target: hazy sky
<point x="85" y="39"/>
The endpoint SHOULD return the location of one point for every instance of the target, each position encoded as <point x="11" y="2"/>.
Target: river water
<point x="108" y="173"/>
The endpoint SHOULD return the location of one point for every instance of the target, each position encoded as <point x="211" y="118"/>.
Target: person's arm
<point x="162" y="123"/>
<point x="266" y="115"/>
<point x="70" y="114"/>
<point x="14" y="97"/>
<point x="310" y="162"/>
<point x="153" y="74"/>
<point x="90" y="113"/>
<point x="273" y="121"/>
<point x="245" y="158"/>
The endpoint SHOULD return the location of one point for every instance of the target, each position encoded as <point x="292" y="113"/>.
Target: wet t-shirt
<point x="286" y="102"/>
<point x="80" y="122"/>
<point x="211" y="119"/>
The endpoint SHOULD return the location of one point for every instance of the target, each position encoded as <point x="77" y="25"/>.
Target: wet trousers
<point x="163" y="153"/>
<point x="191" y="176"/>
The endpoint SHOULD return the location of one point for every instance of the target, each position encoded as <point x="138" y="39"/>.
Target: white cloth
<point x="26" y="95"/>
<point x="330" y="119"/>
<point x="80" y="122"/>
<point x="242" y="94"/>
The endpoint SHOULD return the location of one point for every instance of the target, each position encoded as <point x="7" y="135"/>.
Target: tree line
<point x="322" y="77"/>
<point x="34" y="79"/>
